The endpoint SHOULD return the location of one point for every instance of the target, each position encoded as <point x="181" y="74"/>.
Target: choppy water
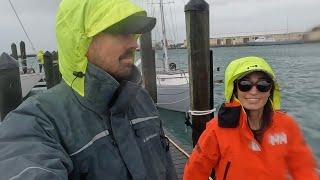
<point x="298" y="71"/>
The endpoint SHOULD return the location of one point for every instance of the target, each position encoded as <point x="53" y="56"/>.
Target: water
<point x="297" y="68"/>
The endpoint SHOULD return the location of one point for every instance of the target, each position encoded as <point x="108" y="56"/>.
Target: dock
<point x="29" y="81"/>
<point x="179" y="153"/>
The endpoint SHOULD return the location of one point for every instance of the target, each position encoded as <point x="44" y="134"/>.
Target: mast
<point x="164" y="39"/>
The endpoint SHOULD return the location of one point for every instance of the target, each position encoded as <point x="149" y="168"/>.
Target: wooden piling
<point x="56" y="74"/>
<point x="23" y="57"/>
<point x="197" y="25"/>
<point x="10" y="85"/>
<point x="48" y="69"/>
<point x="55" y="56"/>
<point x="211" y="84"/>
<point x="14" y="52"/>
<point x="148" y="65"/>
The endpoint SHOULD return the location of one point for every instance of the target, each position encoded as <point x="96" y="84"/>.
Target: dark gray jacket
<point x="114" y="132"/>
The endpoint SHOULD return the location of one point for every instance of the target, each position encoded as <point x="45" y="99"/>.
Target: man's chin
<point x="125" y="74"/>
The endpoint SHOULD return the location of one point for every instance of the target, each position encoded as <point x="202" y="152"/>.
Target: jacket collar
<point x="233" y="115"/>
<point x="100" y="87"/>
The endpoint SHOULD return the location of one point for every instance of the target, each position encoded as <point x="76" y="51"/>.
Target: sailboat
<point x="172" y="83"/>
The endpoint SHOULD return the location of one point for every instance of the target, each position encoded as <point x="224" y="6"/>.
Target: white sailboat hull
<point x="173" y="91"/>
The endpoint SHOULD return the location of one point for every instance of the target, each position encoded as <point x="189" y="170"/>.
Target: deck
<point x="28" y="81"/>
<point x="179" y="153"/>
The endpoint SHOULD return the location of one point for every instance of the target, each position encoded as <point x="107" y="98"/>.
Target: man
<point x="40" y="60"/>
<point x="98" y="123"/>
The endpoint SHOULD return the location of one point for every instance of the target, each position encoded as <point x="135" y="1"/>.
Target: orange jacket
<point x="235" y="154"/>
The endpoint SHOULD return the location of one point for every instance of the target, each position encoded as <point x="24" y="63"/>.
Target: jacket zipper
<point x="226" y="170"/>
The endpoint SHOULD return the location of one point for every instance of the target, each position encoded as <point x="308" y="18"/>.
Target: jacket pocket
<point x="226" y="170"/>
<point x="153" y="150"/>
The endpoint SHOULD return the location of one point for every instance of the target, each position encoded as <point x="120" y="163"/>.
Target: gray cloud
<point x="227" y="17"/>
<point x="38" y="18"/>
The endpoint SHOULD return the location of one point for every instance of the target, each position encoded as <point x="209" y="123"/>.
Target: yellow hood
<point x="77" y="22"/>
<point x="239" y="67"/>
<point x="40" y="57"/>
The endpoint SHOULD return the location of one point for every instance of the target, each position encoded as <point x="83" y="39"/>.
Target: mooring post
<point x="55" y="56"/>
<point x="211" y="84"/>
<point x="56" y="72"/>
<point x="23" y="56"/>
<point x="48" y="69"/>
<point x="10" y="85"/>
<point x="14" y="52"/>
<point x="197" y="25"/>
<point x="148" y="65"/>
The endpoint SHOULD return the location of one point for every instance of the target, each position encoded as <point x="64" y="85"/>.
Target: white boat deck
<point x="28" y="81"/>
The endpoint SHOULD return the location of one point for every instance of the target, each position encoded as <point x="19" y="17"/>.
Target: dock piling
<point x="48" y="69"/>
<point x="197" y="26"/>
<point x="10" y="85"/>
<point x="56" y="73"/>
<point x="14" y="51"/>
<point x="148" y="65"/>
<point x="23" y="56"/>
<point x="211" y="84"/>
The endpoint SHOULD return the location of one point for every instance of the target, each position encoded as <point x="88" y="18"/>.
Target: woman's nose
<point x="254" y="90"/>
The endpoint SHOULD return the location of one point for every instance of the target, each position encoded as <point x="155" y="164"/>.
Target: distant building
<point x="313" y="35"/>
<point x="243" y="40"/>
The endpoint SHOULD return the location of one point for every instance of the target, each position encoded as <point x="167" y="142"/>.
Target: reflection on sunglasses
<point x="246" y="85"/>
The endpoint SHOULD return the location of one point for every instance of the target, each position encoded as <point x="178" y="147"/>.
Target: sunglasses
<point x="246" y="85"/>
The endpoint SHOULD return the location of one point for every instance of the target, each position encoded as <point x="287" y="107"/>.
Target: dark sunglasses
<point x="246" y="85"/>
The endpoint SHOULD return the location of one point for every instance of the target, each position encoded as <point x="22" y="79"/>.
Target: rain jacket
<point x="113" y="132"/>
<point x="40" y="57"/>
<point x="228" y="146"/>
<point x="91" y="127"/>
<point x="234" y="153"/>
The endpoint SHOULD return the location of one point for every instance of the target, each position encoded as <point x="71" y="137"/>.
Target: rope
<point x="201" y="113"/>
<point x="181" y="150"/>
<point x="24" y="30"/>
<point x="178" y="147"/>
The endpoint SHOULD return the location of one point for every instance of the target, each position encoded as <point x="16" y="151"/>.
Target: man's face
<point x="113" y="53"/>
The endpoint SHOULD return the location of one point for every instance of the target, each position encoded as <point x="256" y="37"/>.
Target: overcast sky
<point x="227" y="18"/>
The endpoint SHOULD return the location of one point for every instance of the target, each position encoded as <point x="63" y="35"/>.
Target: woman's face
<point x="254" y="98"/>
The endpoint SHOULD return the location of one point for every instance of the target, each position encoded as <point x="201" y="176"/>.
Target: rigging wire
<point x="24" y="30"/>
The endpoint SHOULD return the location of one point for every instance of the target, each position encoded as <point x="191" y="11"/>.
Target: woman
<point x="251" y="138"/>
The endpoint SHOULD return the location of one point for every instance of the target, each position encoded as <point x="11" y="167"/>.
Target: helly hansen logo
<point x="278" y="138"/>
